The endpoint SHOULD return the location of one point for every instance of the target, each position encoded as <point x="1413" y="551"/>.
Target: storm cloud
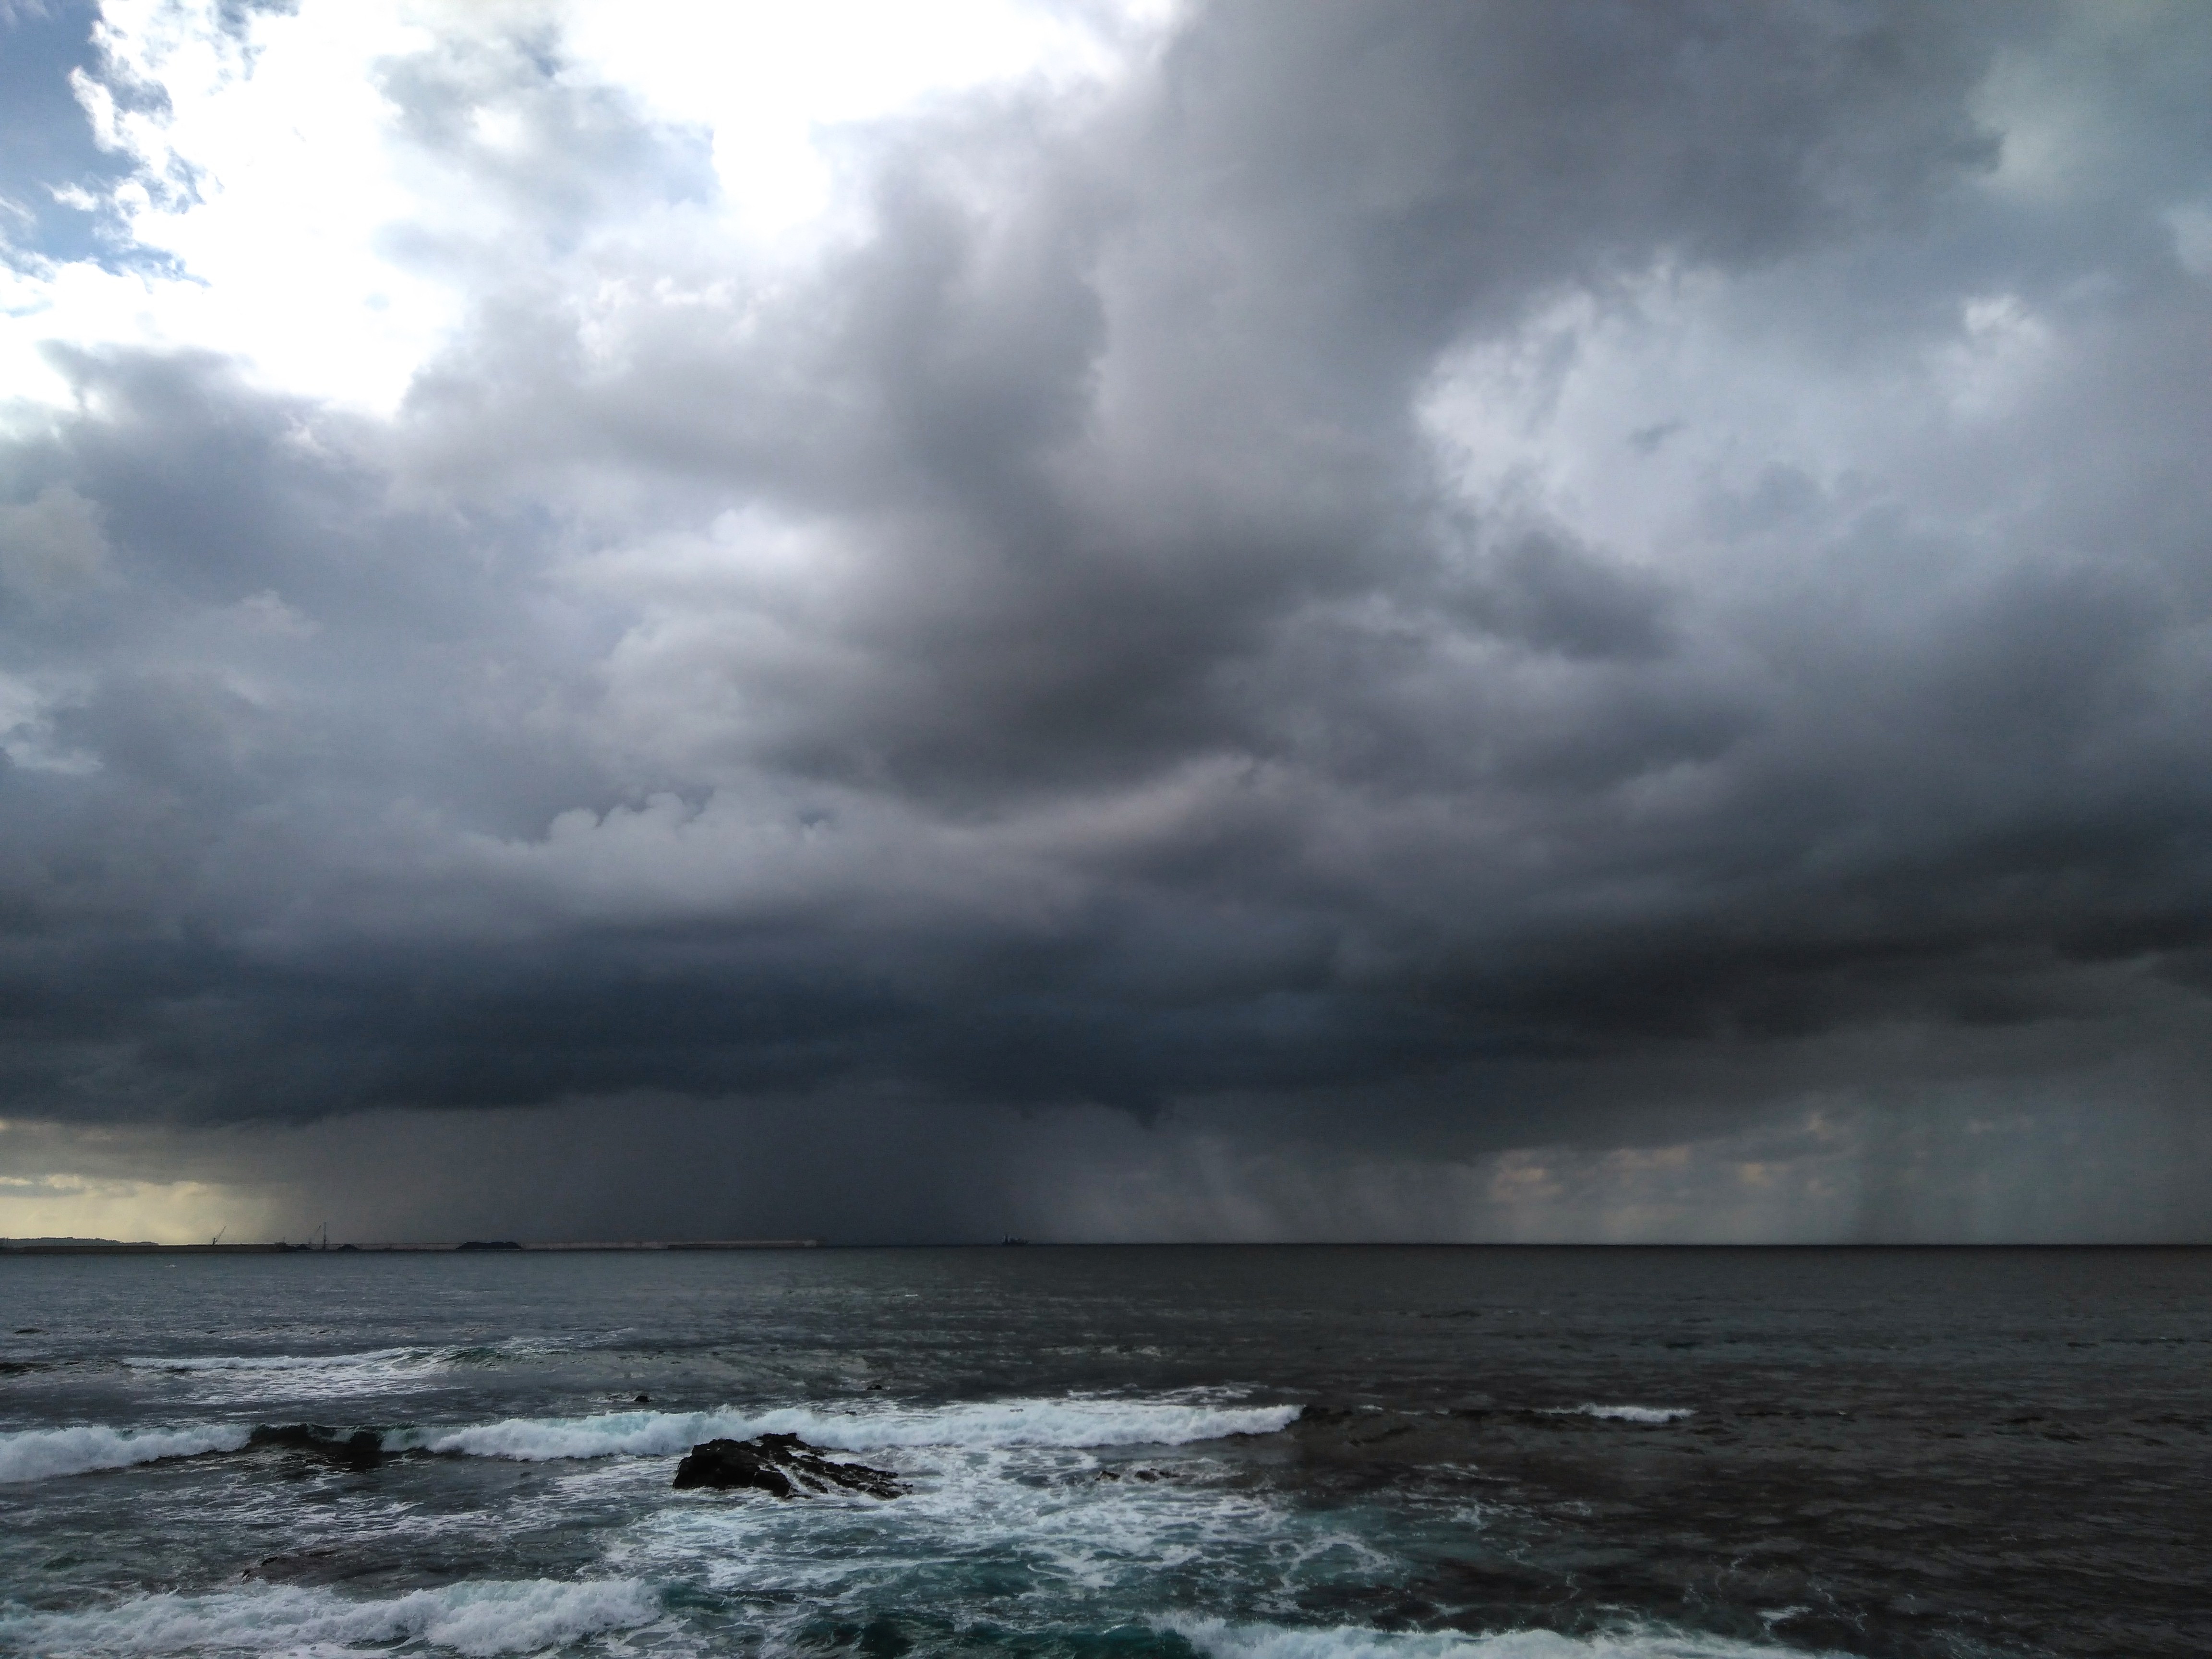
<point x="1352" y="601"/>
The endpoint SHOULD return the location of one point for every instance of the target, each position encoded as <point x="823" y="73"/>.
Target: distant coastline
<point x="117" y="1247"/>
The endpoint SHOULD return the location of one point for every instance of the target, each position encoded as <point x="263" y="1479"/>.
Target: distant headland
<point x="118" y="1247"/>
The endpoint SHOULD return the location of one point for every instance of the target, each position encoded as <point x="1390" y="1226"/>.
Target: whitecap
<point x="1629" y="1413"/>
<point x="1219" y="1639"/>
<point x="483" y="1617"/>
<point x="1074" y="1422"/>
<point x="40" y="1454"/>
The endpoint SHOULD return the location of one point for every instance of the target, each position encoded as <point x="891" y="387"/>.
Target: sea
<point x="1109" y="1453"/>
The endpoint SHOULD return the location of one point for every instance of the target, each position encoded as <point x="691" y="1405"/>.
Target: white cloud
<point x="274" y="177"/>
<point x="767" y="79"/>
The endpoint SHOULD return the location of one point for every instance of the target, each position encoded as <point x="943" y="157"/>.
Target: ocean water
<point x="1296" y="1452"/>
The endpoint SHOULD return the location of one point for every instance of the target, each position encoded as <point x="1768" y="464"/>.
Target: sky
<point x="1518" y="621"/>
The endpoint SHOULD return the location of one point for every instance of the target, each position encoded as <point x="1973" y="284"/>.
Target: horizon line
<point x="503" y="1246"/>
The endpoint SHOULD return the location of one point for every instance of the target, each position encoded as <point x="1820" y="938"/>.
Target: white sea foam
<point x="1050" y="1521"/>
<point x="38" y="1454"/>
<point x="1632" y="1414"/>
<point x="1072" y="1423"/>
<point x="1219" y="1640"/>
<point x="475" y="1619"/>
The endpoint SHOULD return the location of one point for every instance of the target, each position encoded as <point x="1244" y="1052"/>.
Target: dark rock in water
<point x="489" y="1244"/>
<point x="782" y="1464"/>
<point x="362" y="1449"/>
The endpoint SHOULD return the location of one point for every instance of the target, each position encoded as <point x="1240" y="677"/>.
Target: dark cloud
<point x="1411" y="582"/>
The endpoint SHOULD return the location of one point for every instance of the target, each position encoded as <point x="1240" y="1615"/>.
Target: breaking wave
<point x="39" y="1454"/>
<point x="1632" y="1413"/>
<point x="1219" y="1640"/>
<point x="527" y="1616"/>
<point x="1073" y="1424"/>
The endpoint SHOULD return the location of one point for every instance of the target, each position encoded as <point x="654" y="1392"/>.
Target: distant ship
<point x="1010" y="1239"/>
